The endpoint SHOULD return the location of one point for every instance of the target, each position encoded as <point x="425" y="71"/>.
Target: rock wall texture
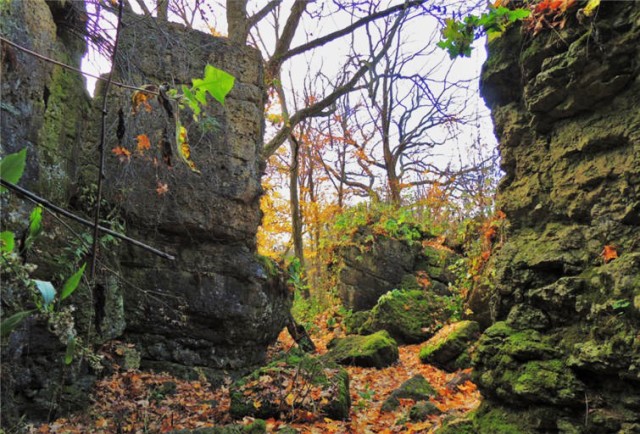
<point x="218" y="306"/>
<point x="373" y="264"/>
<point x="564" y="354"/>
<point x="213" y="310"/>
<point x="43" y="108"/>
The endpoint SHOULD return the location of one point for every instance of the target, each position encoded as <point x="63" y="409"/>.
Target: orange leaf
<point x="609" y="253"/>
<point x="123" y="154"/>
<point x="143" y="143"/>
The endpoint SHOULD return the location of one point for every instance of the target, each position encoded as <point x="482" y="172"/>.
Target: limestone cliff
<point x="564" y="354"/>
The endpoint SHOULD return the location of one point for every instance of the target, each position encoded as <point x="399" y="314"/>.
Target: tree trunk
<point x="163" y="10"/>
<point x="237" y="21"/>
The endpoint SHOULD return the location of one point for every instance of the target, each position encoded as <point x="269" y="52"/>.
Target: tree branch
<point x="56" y="209"/>
<point x="349" y="29"/>
<point x="318" y="107"/>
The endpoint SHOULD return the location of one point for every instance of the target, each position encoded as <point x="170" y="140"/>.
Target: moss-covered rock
<point x="447" y="348"/>
<point x="295" y="381"/>
<point x="416" y="388"/>
<point x="355" y="320"/>
<point x="377" y="350"/>
<point x="423" y="409"/>
<point x="488" y="420"/>
<point x="409" y="316"/>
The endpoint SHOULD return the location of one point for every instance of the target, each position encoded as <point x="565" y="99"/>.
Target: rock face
<point x="388" y="263"/>
<point x="43" y="109"/>
<point x="218" y="305"/>
<point x="565" y="107"/>
<point x="449" y="348"/>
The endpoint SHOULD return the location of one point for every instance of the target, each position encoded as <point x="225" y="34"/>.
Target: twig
<point x="45" y="203"/>
<point x="101" y="147"/>
<point x="72" y="68"/>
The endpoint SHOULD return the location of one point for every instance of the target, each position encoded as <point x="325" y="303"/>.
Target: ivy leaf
<point x="216" y="81"/>
<point x="7" y="326"/>
<point x="47" y="290"/>
<point x="7" y="241"/>
<point x="12" y="167"/>
<point x="72" y="283"/>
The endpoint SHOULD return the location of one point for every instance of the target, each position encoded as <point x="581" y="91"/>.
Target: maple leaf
<point x="609" y="253"/>
<point x="143" y="143"/>
<point x="122" y="153"/>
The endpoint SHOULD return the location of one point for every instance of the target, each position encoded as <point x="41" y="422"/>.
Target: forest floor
<point x="138" y="402"/>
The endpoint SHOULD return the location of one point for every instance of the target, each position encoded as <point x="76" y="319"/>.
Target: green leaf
<point x="72" y="283"/>
<point x="47" y="290"/>
<point x="71" y="349"/>
<point x="35" y="227"/>
<point x="12" y="167"/>
<point x="7" y="241"/>
<point x="7" y="326"/>
<point x="216" y="81"/>
<point x="519" y="14"/>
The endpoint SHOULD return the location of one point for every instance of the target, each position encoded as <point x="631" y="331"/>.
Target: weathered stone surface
<point x="565" y="108"/>
<point x="44" y="109"/>
<point x="218" y="306"/>
<point x="296" y="381"/>
<point x="387" y="264"/>
<point x="416" y="388"/>
<point x="377" y="350"/>
<point x="449" y="348"/>
<point x="409" y="316"/>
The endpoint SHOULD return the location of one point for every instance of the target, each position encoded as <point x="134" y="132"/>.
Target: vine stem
<point x="101" y="148"/>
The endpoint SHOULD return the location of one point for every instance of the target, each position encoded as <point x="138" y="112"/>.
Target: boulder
<point x="377" y="350"/>
<point x="293" y="382"/>
<point x="416" y="388"/>
<point x="409" y="316"/>
<point x="449" y="348"/>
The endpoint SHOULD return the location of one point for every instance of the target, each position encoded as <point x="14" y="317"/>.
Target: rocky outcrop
<point x="565" y="107"/>
<point x="214" y="309"/>
<point x="374" y="264"/>
<point x="217" y="306"/>
<point x="43" y="109"/>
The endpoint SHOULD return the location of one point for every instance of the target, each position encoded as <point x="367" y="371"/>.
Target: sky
<point x="328" y="61"/>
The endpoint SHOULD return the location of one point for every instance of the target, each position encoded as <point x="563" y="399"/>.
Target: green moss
<point x="409" y="316"/>
<point x="59" y="136"/>
<point x="489" y="420"/>
<point x="354" y="321"/>
<point x="449" y="342"/>
<point x="416" y="388"/>
<point x="377" y="350"/>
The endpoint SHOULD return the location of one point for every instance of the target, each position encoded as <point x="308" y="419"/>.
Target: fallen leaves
<point x="145" y="402"/>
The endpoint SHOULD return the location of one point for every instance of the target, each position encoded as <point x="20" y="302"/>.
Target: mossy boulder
<point x="377" y="350"/>
<point x="293" y="382"/>
<point x="487" y="420"/>
<point x="449" y="348"/>
<point x="526" y="367"/>
<point x="409" y="316"/>
<point x="416" y="388"/>
<point x="422" y="410"/>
